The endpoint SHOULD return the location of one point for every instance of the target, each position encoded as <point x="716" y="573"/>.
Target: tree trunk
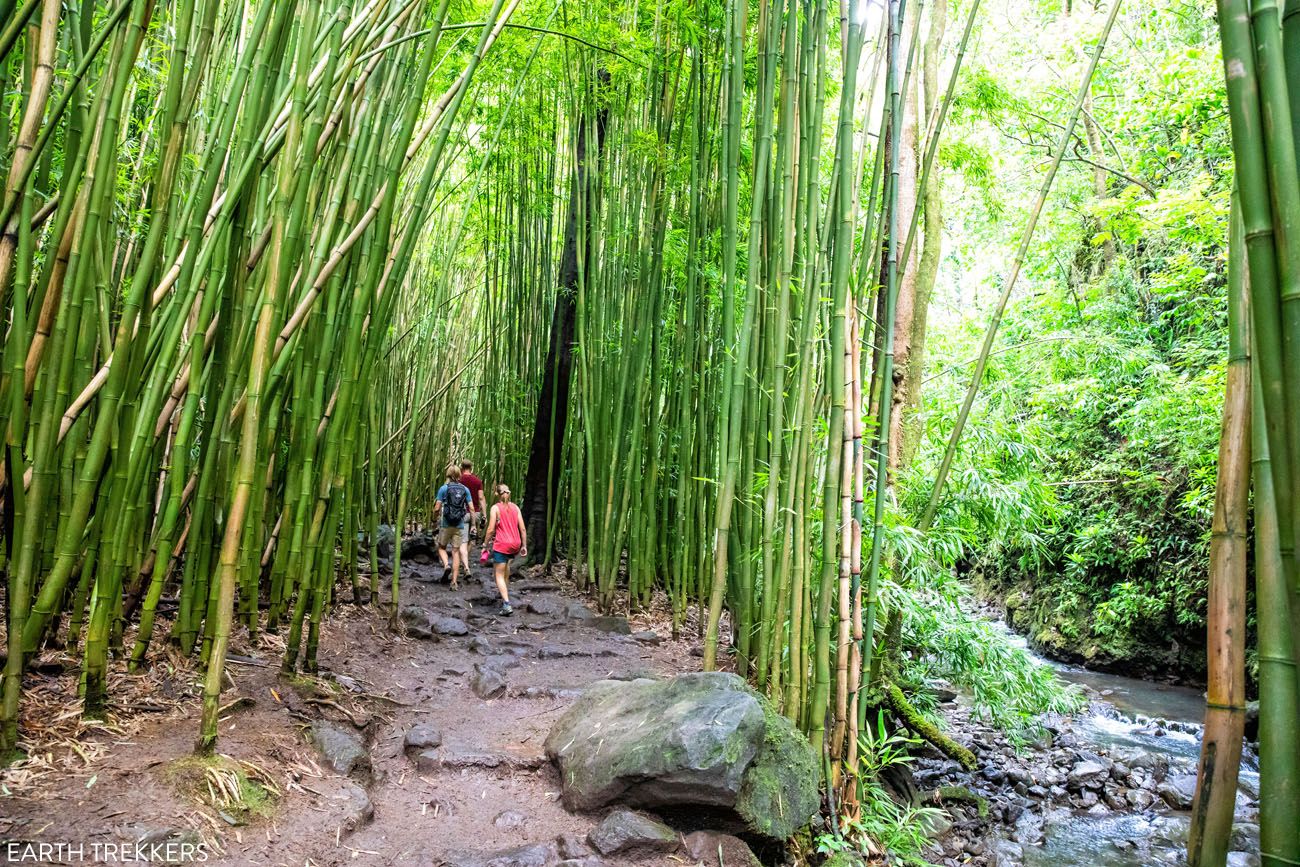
<point x="905" y="312"/>
<point x="543" y="479"/>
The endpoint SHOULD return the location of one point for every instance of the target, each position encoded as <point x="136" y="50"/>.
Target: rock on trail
<point x="696" y="740"/>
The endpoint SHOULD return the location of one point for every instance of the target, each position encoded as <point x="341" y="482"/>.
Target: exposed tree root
<point x="913" y="719"/>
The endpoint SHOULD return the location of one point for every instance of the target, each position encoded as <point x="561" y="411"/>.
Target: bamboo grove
<point x="1259" y="444"/>
<point x="268" y="267"/>
<point x="209" y="211"/>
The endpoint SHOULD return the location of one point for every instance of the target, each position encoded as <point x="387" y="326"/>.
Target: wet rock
<point x="560" y="651"/>
<point x="1007" y="854"/>
<point x="418" y="622"/>
<point x="342" y="750"/>
<point x="383" y="541"/>
<point x="1245" y="837"/>
<point x="612" y="625"/>
<point x="572" y="846"/>
<point x="1139" y="798"/>
<point x="358" y="811"/>
<point x="713" y="849"/>
<point x="935" y="825"/>
<point x="487" y="682"/>
<point x="547" y="606"/>
<point x="421" y="737"/>
<point x="1243" y="859"/>
<point x="1177" y="791"/>
<point x="627" y="831"/>
<point x="1086" y="772"/>
<point x="460" y="758"/>
<point x="578" y="612"/>
<point x="510" y="820"/>
<point x="534" y="855"/>
<point x="449" y="626"/>
<point x="697" y="739"/>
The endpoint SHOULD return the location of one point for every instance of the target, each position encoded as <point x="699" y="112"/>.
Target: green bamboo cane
<point x="1009" y="284"/>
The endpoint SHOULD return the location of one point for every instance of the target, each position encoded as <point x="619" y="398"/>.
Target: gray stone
<point x="510" y="820"/>
<point x="1178" y="790"/>
<point x="1139" y="798"/>
<point x="450" y="626"/>
<point x="342" y="750"/>
<point x="1245" y="837"/>
<point x="383" y="541"/>
<point x="548" y="606"/>
<point x="612" y="625"/>
<point x="935" y="825"/>
<point x="700" y="739"/>
<point x="1243" y="859"/>
<point x="626" y="831"/>
<point x="487" y="682"/>
<point x="572" y="846"/>
<point x="418" y="622"/>
<point x="421" y="737"/>
<point x="579" y="612"/>
<point x="713" y="849"/>
<point x="647" y="636"/>
<point x="534" y="855"/>
<point x="1086" y="772"/>
<point x="461" y="758"/>
<point x="482" y="646"/>
<point x="357" y="810"/>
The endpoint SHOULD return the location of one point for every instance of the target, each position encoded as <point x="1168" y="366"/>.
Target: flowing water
<point x="1136" y="717"/>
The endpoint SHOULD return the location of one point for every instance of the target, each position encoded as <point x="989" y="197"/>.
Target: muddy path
<point x="488" y="687"/>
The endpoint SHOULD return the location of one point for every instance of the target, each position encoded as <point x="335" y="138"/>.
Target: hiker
<point x="453" y="508"/>
<point x="508" y="538"/>
<point x="477" y="504"/>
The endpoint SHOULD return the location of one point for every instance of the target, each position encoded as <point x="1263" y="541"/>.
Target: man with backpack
<point x="453" y="504"/>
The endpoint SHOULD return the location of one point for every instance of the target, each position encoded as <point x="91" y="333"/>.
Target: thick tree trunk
<point x="906" y="311"/>
<point x="543" y="480"/>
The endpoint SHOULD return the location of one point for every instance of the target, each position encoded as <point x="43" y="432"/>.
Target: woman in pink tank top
<point x="507" y="538"/>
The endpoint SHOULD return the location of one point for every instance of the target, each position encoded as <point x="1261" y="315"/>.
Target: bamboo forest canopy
<point x="716" y="285"/>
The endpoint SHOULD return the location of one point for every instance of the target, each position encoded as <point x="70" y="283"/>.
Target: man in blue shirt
<point x="453" y="508"/>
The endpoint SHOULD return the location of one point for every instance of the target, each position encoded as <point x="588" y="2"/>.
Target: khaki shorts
<point x="453" y="536"/>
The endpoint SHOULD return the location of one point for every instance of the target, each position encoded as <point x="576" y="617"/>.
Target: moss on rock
<point x="779" y="793"/>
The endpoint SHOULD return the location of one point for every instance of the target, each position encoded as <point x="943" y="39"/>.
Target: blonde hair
<point x="453" y="473"/>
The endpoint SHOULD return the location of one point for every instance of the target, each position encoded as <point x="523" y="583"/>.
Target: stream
<point x="1140" y="723"/>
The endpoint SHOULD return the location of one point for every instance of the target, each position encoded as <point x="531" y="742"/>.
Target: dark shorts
<point x="498" y="557"/>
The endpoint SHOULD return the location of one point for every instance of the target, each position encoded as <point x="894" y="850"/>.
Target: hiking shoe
<point x="446" y="574"/>
<point x="505" y="610"/>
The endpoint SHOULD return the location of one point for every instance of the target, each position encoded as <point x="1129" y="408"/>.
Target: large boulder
<point x="696" y="740"/>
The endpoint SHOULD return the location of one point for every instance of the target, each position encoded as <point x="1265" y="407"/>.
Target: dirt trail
<point x="489" y="787"/>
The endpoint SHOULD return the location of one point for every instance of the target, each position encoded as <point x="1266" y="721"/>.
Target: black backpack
<point x="456" y="505"/>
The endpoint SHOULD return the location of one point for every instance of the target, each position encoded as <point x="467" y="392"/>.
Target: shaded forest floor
<point x="490" y="789"/>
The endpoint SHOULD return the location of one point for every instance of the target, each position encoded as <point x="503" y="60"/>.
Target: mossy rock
<point x="703" y="740"/>
<point x="780" y="793"/>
